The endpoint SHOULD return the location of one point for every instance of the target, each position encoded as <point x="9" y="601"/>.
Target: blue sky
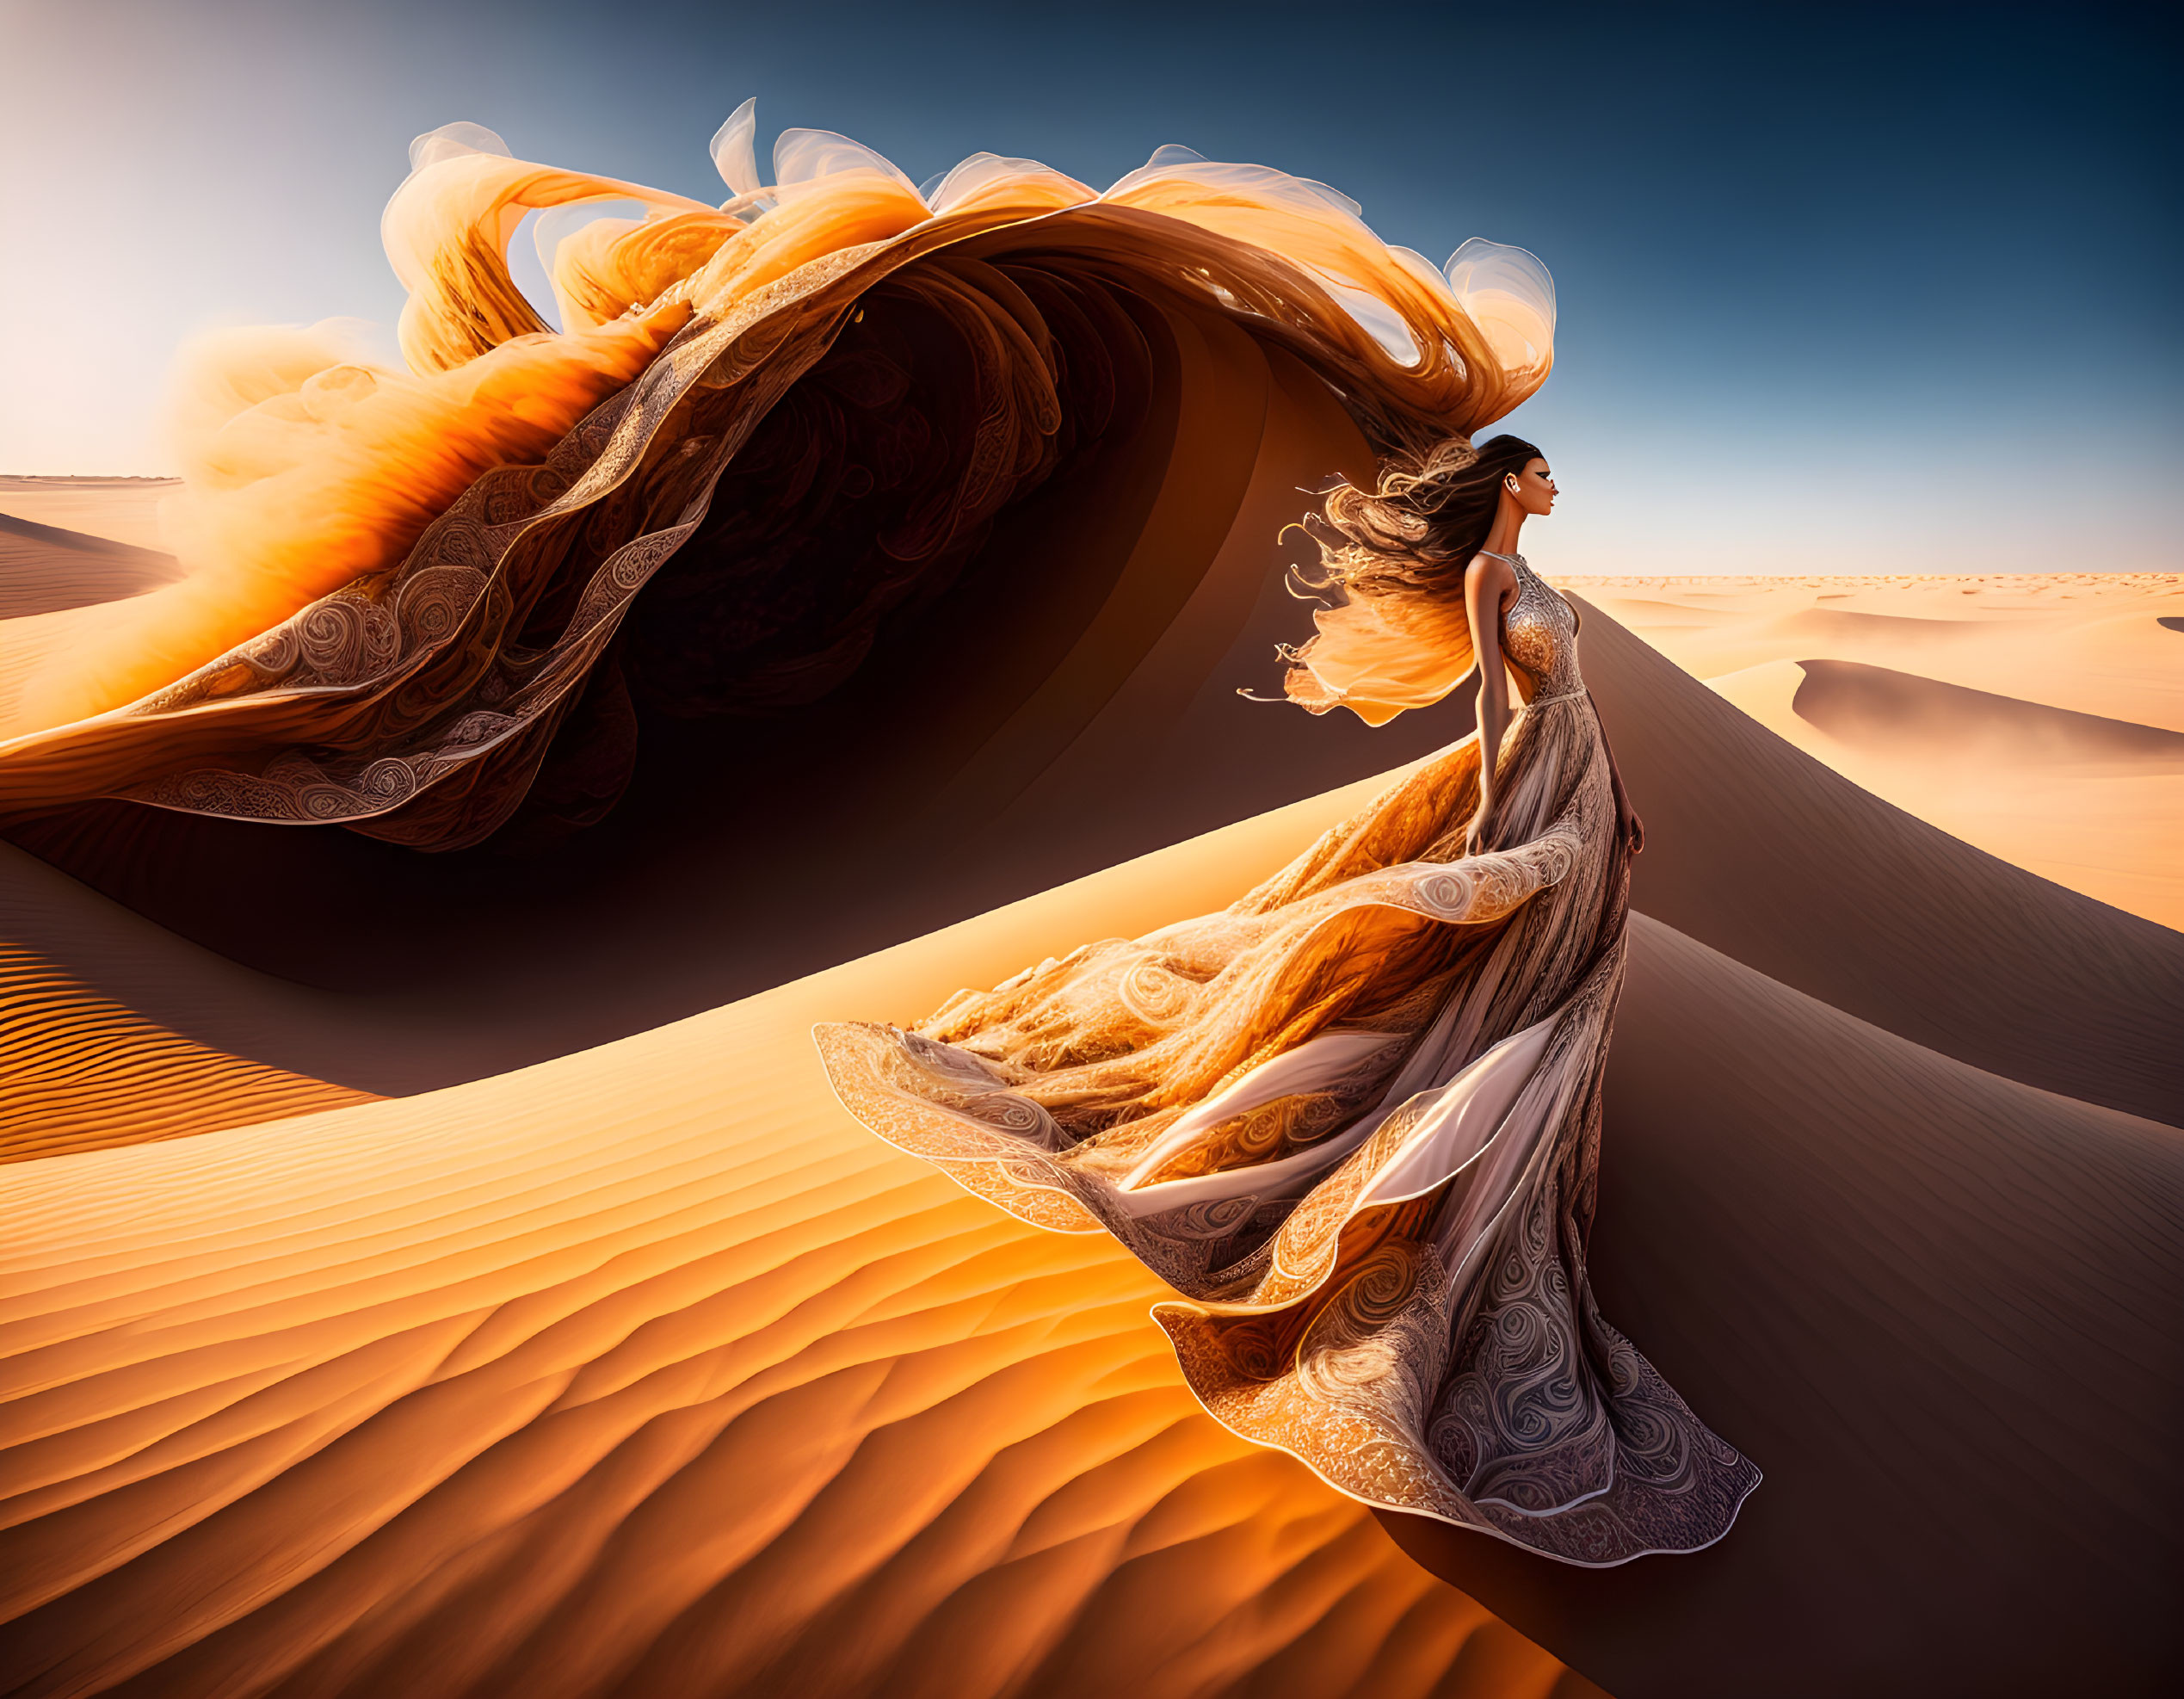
<point x="1840" y="289"/>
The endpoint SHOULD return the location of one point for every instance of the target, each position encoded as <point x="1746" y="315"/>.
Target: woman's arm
<point x="1487" y="584"/>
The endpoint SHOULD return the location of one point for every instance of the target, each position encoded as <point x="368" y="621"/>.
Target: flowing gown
<point x="1354" y="1120"/>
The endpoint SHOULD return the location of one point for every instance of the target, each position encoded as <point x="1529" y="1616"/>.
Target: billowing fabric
<point x="406" y="590"/>
<point x="1354" y="1120"/>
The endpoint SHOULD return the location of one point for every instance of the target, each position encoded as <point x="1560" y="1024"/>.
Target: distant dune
<point x="1903" y="711"/>
<point x="522" y="1315"/>
<point x="123" y="511"/>
<point x="54" y="578"/>
<point x="44" y="570"/>
<point x="2033" y="716"/>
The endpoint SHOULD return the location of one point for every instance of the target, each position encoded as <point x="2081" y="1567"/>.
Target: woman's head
<point x="1533" y="489"/>
<point x="1396" y="637"/>
<point x="1417" y="531"/>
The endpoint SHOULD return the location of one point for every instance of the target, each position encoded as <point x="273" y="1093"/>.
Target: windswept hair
<point x="1393" y="559"/>
<point x="1415" y="533"/>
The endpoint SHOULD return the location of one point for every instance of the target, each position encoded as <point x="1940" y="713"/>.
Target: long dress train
<point x="1355" y="1119"/>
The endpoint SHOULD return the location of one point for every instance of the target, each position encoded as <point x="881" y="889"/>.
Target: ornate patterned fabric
<point x="405" y="589"/>
<point x="1354" y="1120"/>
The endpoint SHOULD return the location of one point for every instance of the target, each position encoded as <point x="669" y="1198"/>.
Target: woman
<point x="1356" y="1118"/>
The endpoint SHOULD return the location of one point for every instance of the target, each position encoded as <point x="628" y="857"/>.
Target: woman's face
<point x="1534" y="487"/>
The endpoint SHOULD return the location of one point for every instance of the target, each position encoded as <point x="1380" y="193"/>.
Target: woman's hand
<point x="1479" y="837"/>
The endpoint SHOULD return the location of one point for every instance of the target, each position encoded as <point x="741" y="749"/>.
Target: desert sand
<point x="647" y="1370"/>
<point x="522" y="1314"/>
<point x="123" y="511"/>
<point x="2040" y="718"/>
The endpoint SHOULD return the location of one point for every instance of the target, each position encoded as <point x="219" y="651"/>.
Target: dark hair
<point x="1416" y="534"/>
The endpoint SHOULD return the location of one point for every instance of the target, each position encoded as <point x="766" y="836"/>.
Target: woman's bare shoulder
<point x="1489" y="572"/>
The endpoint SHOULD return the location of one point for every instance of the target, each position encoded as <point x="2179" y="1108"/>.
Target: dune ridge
<point x="44" y="569"/>
<point x="1877" y="704"/>
<point x="124" y="510"/>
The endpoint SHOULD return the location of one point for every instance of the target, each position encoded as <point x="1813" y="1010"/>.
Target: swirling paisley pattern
<point x="1354" y="1120"/>
<point x="834" y="350"/>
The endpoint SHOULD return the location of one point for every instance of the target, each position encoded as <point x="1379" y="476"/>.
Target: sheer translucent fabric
<point x="399" y="581"/>
<point x="1380" y="655"/>
<point x="1354" y="1120"/>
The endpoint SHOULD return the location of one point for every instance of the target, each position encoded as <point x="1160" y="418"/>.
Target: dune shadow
<point x="1902" y="714"/>
<point x="45" y="568"/>
<point x="1938" y="1309"/>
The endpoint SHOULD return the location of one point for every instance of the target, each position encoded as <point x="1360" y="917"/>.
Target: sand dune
<point x="44" y="570"/>
<point x="1901" y="711"/>
<point x="117" y="1031"/>
<point x="1986" y="725"/>
<point x="2092" y="643"/>
<point x="607" y="1354"/>
<point x="644" y="1370"/>
<point x="1764" y="853"/>
<point x="1983" y="729"/>
<point x="83" y="1071"/>
<point x="2093" y="804"/>
<point x="54" y="579"/>
<point x="123" y="511"/>
<point x="1756" y="850"/>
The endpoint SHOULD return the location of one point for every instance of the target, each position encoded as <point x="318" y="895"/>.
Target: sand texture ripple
<point x="646" y="1371"/>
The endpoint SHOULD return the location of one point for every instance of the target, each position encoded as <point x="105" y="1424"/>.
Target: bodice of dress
<point x="1540" y="635"/>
